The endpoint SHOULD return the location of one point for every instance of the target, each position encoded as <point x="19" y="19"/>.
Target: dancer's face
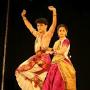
<point x="62" y="32"/>
<point x="41" y="27"/>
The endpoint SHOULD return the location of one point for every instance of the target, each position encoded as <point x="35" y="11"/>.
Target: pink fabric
<point x="54" y="80"/>
<point x="66" y="42"/>
<point x="35" y="59"/>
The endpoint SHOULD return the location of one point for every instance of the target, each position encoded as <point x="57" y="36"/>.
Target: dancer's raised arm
<point x="28" y="24"/>
<point x="54" y="20"/>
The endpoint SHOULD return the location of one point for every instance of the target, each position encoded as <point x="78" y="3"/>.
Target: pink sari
<point x="54" y="80"/>
<point x="65" y="65"/>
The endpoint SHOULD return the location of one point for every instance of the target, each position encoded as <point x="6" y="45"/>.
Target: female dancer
<point x="61" y="50"/>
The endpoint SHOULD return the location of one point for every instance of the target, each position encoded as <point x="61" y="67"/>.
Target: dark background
<point x="20" y="42"/>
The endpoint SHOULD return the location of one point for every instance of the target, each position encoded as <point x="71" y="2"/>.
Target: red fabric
<point x="45" y="58"/>
<point x="66" y="42"/>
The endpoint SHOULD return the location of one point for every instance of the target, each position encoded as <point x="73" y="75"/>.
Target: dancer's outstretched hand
<point x="51" y="8"/>
<point x="23" y="13"/>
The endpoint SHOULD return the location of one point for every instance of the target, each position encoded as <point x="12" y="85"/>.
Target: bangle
<point x="54" y="15"/>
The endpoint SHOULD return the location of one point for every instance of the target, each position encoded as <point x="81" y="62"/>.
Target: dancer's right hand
<point x="23" y="13"/>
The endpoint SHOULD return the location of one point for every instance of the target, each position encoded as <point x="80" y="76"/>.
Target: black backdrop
<point x="20" y="42"/>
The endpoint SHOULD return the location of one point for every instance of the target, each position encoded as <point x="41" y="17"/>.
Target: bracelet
<point x="54" y="15"/>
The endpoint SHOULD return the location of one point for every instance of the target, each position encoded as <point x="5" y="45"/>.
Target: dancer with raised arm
<point x="31" y="74"/>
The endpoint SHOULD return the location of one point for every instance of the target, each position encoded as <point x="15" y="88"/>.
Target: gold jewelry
<point x="54" y="15"/>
